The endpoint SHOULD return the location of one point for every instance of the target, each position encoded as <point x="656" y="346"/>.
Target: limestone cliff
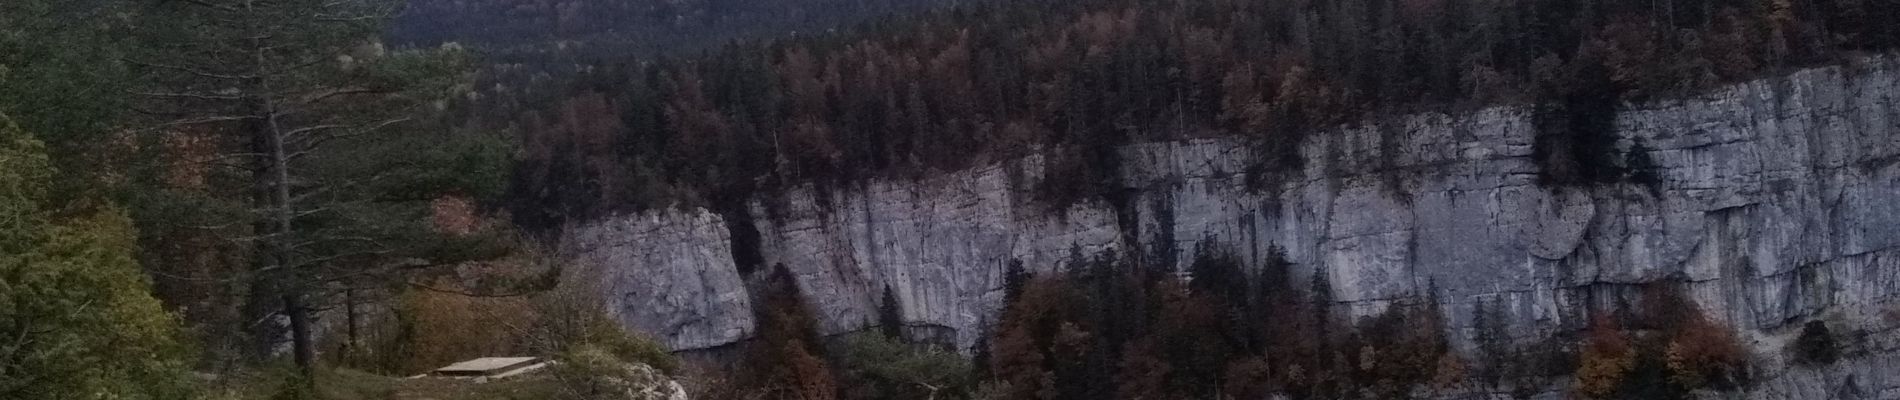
<point x="1777" y="200"/>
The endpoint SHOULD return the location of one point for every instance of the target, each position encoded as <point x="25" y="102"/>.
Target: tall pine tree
<point x="323" y="158"/>
<point x="890" y="316"/>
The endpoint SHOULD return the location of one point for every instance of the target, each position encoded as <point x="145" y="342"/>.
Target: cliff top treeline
<point x="555" y="31"/>
<point x="1072" y="79"/>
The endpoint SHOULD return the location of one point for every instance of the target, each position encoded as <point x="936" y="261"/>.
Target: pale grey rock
<point x="668" y="274"/>
<point x="643" y="382"/>
<point x="1776" y="201"/>
<point x="940" y="244"/>
<point x="602" y="376"/>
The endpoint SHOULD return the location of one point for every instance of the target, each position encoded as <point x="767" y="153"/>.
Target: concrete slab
<point x="489" y="366"/>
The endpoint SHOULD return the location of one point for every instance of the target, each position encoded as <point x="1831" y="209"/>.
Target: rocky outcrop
<point x="1776" y="201"/>
<point x="667" y="274"/>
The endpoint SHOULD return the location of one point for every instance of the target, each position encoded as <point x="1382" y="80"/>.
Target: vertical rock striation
<point x="668" y="274"/>
<point x="1776" y="201"/>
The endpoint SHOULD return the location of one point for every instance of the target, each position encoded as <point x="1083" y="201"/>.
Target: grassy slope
<point x="343" y="384"/>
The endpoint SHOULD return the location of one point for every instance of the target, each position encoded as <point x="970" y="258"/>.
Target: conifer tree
<point x="325" y="157"/>
<point x="890" y="317"/>
<point x="787" y="362"/>
<point x="1014" y="279"/>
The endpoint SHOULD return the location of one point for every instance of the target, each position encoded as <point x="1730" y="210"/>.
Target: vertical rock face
<point x="1776" y="201"/>
<point x="668" y="274"/>
<point x="940" y="244"/>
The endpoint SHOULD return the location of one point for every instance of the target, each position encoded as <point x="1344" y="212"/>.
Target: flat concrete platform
<point x="489" y="367"/>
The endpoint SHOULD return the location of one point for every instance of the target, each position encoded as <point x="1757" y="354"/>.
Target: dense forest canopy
<point x="1240" y="331"/>
<point x="1072" y="79"/>
<point x="565" y="30"/>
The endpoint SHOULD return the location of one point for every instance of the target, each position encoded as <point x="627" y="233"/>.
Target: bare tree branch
<point x="211" y="120"/>
<point x="333" y="240"/>
<point x="227" y="157"/>
<point x="314" y="98"/>
<point x="317" y="141"/>
<point x="200" y="96"/>
<point x="229" y="165"/>
<point x="377" y="176"/>
<point x="294" y="133"/>
<point x="523" y="292"/>
<point x="219" y="7"/>
<point x="359" y="18"/>
<point x="189" y="70"/>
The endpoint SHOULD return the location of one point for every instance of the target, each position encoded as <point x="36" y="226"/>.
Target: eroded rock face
<point x="941" y="245"/>
<point x="667" y="274"/>
<point x="1778" y="201"/>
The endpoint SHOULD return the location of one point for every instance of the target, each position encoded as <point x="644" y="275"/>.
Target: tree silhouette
<point x="890" y="318"/>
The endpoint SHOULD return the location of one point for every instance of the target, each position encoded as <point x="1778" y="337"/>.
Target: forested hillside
<point x="247" y="199"/>
<point x="1072" y="79"/>
<point x="215" y="186"/>
<point x="535" y="32"/>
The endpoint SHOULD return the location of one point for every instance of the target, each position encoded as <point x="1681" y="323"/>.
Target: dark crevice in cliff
<point x="1163" y="251"/>
<point x="1082" y="171"/>
<point x="1391" y="151"/>
<point x="1576" y="129"/>
<point x="1127" y="215"/>
<point x="1576" y="140"/>
<point x="746" y="254"/>
<point x="1273" y="159"/>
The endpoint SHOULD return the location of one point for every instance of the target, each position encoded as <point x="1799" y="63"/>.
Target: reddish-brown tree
<point x="1606" y="360"/>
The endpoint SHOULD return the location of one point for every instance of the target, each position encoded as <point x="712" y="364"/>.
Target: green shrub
<point x="878" y="367"/>
<point x="571" y="316"/>
<point x="632" y="348"/>
<point x="76" y="312"/>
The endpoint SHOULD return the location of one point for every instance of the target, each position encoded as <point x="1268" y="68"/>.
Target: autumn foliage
<point x="1228" y="330"/>
<point x="1074" y="79"/>
<point x="1606" y="360"/>
<point x="786" y="361"/>
<point x="456" y="318"/>
<point x="1672" y="349"/>
<point x="436" y="329"/>
<point x="1703" y="353"/>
